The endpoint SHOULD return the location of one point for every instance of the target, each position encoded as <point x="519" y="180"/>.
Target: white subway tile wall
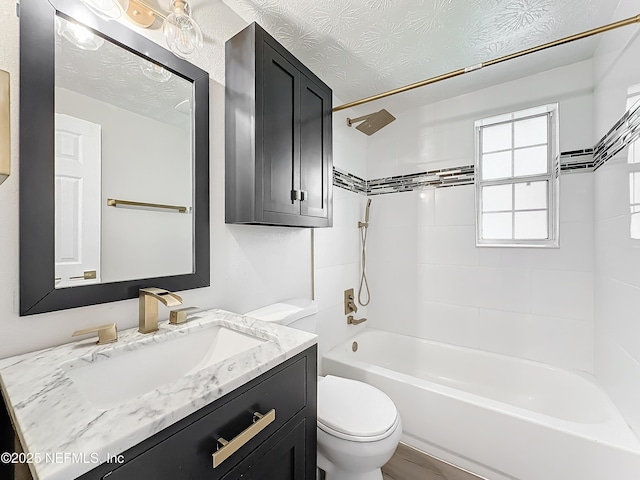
<point x="429" y="280"/>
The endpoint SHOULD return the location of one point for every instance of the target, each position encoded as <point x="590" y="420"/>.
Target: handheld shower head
<point x="364" y="227"/>
<point x="365" y="224"/>
<point x="366" y="212"/>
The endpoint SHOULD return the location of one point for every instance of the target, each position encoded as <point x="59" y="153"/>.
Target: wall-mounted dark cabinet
<point x="278" y="136"/>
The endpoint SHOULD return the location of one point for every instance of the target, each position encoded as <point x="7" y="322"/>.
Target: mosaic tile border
<point x="574" y="161"/>
<point x="577" y="161"/>
<point x="445" y="177"/>
<point x="349" y="181"/>
<point x="622" y="134"/>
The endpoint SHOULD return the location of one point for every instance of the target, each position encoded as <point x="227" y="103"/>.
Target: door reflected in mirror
<point x="123" y="163"/>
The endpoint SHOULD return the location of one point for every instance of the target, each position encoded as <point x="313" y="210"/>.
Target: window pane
<point x="496" y="226"/>
<point x="530" y="161"/>
<point x="531" y="195"/>
<point x="531" y="225"/>
<point x="496" y="165"/>
<point x="496" y="138"/>
<point x="497" y="198"/>
<point x="532" y="131"/>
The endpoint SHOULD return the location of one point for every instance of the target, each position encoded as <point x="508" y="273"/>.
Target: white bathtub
<point x="497" y="416"/>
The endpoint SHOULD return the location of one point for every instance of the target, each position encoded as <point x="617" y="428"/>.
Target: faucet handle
<point x="349" y="302"/>
<point x="170" y="299"/>
<point x="179" y="315"/>
<point x="106" y="333"/>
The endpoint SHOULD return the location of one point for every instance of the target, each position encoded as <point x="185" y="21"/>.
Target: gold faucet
<point x="148" y="304"/>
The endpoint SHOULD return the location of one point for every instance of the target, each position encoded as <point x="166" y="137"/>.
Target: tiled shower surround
<point x="574" y="306"/>
<point x="427" y="274"/>
<point x="429" y="280"/>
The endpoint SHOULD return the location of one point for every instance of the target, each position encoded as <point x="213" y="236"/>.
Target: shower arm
<point x="478" y="66"/>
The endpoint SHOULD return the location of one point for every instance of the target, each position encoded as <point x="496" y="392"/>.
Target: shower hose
<point x="363" y="278"/>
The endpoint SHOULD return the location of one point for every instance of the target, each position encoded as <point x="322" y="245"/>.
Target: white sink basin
<point x="129" y="374"/>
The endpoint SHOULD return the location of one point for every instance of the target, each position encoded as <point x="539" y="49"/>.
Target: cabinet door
<point x="315" y="148"/>
<point x="281" y="134"/>
<point x="282" y="458"/>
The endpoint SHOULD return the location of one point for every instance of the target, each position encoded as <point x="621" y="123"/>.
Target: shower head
<point x="373" y="122"/>
<point x="366" y="212"/>
<point x="365" y="224"/>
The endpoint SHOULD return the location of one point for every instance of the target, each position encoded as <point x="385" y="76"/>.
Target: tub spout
<point x="355" y="321"/>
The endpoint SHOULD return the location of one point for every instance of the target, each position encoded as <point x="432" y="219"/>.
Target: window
<point x="517" y="168"/>
<point x="633" y="158"/>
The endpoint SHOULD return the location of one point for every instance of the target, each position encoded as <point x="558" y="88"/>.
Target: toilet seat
<point x="354" y="410"/>
<point x="353" y="438"/>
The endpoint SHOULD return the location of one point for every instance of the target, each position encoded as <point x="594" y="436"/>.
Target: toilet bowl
<point x="359" y="426"/>
<point x="358" y="429"/>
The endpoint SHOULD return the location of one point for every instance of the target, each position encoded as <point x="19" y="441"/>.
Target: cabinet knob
<point x="295" y="195"/>
<point x="304" y="195"/>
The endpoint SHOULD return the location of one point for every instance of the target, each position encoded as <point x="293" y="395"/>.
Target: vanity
<point x="221" y="396"/>
<point x="123" y="137"/>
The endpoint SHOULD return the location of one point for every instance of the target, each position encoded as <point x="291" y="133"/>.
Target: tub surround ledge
<point x="66" y="435"/>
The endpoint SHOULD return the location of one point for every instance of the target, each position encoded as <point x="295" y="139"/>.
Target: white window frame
<point x="552" y="177"/>
<point x="633" y="161"/>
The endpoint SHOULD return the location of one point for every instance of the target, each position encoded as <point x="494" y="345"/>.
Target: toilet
<point x="359" y="426"/>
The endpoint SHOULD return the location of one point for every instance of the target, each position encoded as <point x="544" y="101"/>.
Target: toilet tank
<point x="297" y="313"/>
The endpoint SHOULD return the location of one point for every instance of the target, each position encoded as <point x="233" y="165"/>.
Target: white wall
<point x="251" y="266"/>
<point x="428" y="278"/>
<point x="143" y="160"/>
<point x="617" y="256"/>
<point x="337" y="249"/>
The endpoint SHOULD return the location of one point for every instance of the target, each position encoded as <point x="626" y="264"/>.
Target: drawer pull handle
<point x="260" y="422"/>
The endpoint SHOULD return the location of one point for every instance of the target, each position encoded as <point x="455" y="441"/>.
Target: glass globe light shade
<point x="181" y="32"/>
<point x="155" y="72"/>
<point x="106" y="9"/>
<point x="78" y="35"/>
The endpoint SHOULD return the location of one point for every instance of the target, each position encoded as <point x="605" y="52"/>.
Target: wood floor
<point x="411" y="464"/>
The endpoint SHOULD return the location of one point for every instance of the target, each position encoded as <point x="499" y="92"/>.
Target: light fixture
<point x="78" y="35"/>
<point x="181" y="32"/>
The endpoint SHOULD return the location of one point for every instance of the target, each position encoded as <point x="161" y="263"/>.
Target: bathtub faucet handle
<point x="349" y="302"/>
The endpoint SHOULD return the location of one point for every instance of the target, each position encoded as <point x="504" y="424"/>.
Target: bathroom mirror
<point x="114" y="151"/>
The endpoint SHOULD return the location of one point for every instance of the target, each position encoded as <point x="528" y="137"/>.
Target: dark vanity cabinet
<point x="278" y="136"/>
<point x="284" y="449"/>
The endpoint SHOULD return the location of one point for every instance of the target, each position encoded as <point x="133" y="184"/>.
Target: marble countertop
<point x="66" y="435"/>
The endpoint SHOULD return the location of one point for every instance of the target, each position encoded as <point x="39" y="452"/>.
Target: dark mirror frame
<point x="37" y="103"/>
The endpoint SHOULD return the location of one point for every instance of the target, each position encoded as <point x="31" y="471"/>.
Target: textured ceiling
<point x="114" y="75"/>
<point x="363" y="47"/>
